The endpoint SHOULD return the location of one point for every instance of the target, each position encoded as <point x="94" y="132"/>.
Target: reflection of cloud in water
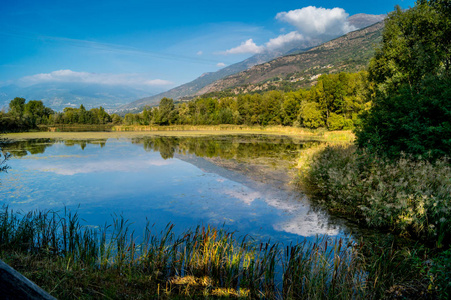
<point x="304" y="223"/>
<point x="247" y="196"/>
<point x="307" y="224"/>
<point x="104" y="166"/>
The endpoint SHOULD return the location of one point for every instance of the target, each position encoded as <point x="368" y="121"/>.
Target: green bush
<point x="335" y="122"/>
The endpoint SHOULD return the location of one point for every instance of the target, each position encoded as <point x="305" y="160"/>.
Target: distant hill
<point x="349" y="53"/>
<point x="60" y="95"/>
<point x="200" y="84"/>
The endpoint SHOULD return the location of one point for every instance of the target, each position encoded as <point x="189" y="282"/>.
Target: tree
<point x="16" y="107"/>
<point x="415" y="45"/>
<point x="163" y="116"/>
<point x="411" y="111"/>
<point x="311" y="116"/>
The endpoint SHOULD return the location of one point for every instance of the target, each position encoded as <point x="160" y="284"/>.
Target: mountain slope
<point x="192" y="88"/>
<point x="350" y="52"/>
<point x="205" y="79"/>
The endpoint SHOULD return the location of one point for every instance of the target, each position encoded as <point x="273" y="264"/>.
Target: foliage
<point x="336" y="102"/>
<point x="414" y="122"/>
<point x="311" y="116"/>
<point x="411" y="70"/>
<point x="440" y="273"/>
<point x="407" y="196"/>
<point x="342" y="95"/>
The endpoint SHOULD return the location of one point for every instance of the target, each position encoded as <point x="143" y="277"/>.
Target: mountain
<point x="60" y="95"/>
<point x="349" y="53"/>
<point x="364" y="20"/>
<point x="206" y="79"/>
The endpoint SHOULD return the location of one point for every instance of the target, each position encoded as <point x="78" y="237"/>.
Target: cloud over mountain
<point x="315" y="22"/>
<point x="284" y="39"/>
<point x="246" y="47"/>
<point x="310" y="22"/>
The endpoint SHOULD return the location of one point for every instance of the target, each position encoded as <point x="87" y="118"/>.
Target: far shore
<point x="184" y="130"/>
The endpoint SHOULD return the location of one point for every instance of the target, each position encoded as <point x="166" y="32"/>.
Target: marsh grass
<point x="407" y="196"/>
<point x="189" y="130"/>
<point x="72" y="261"/>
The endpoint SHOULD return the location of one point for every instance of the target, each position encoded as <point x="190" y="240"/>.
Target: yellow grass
<point x="187" y="130"/>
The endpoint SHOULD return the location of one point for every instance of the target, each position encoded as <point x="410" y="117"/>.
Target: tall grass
<point x="203" y="261"/>
<point x="408" y="196"/>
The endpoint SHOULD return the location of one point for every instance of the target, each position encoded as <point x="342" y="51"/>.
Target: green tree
<point x="16" y="107"/>
<point x="164" y="116"/>
<point x="415" y="45"/>
<point x="311" y="115"/>
<point x="411" y="111"/>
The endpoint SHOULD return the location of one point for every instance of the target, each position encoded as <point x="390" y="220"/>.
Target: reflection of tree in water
<point x="38" y="146"/>
<point x="166" y="146"/>
<point x="225" y="147"/>
<point x="240" y="148"/>
<point x="4" y="156"/>
<point x="22" y="148"/>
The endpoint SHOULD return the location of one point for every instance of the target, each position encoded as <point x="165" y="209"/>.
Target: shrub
<point x="335" y="122"/>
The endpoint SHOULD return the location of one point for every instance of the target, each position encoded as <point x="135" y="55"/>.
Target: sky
<point x="156" y="43"/>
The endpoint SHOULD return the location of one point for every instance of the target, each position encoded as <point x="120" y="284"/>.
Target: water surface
<point x="239" y="182"/>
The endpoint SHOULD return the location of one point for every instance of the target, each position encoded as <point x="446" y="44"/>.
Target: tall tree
<point x="412" y="109"/>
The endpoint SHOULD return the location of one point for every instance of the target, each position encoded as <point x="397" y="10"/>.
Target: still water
<point x="241" y="183"/>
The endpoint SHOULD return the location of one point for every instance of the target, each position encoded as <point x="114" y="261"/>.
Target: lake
<point x="239" y="182"/>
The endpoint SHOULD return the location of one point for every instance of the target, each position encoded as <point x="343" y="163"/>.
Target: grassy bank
<point x="71" y="261"/>
<point x="407" y="197"/>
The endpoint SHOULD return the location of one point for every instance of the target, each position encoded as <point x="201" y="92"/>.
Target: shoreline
<point x="343" y="136"/>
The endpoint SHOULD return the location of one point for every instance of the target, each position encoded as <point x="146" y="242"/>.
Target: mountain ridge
<point x="350" y="52"/>
<point x="193" y="87"/>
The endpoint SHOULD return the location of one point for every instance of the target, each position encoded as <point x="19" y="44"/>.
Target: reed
<point x="71" y="260"/>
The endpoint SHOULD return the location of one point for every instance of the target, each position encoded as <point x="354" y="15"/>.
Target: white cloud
<point x="103" y="166"/>
<point x="221" y="64"/>
<point x="70" y="76"/>
<point x="246" y="47"/>
<point x="157" y="82"/>
<point x="314" y="22"/>
<point x="284" y="39"/>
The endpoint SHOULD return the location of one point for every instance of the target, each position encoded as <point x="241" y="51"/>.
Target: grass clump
<point x="73" y="261"/>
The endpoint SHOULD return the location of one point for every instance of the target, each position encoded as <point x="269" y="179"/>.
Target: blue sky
<point x="152" y="43"/>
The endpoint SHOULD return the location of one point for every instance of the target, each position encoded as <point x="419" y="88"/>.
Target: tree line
<point x="23" y="116"/>
<point x="335" y="102"/>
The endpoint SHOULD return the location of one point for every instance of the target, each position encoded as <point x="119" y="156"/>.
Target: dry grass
<point x="185" y="130"/>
